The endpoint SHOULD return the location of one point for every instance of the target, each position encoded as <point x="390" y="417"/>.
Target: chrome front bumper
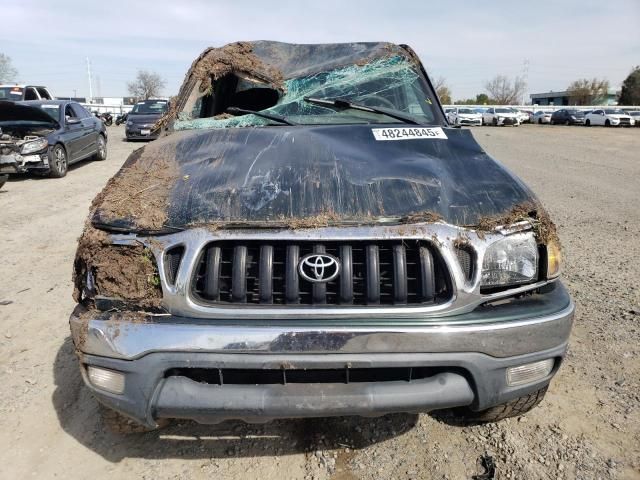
<point x="528" y="325"/>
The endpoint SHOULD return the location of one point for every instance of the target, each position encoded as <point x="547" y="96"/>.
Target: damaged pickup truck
<point x="309" y="238"/>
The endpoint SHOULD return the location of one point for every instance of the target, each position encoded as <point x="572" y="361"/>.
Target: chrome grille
<point x="388" y="272"/>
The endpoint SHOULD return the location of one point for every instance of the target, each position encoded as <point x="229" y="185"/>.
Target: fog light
<point x="529" y="373"/>
<point x="108" y="380"/>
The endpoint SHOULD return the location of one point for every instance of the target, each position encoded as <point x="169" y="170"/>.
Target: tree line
<point x="502" y="90"/>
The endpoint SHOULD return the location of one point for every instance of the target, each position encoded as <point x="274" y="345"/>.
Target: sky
<point x="466" y="42"/>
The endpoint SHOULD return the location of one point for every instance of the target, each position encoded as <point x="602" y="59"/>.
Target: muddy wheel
<point x="58" y="162"/>
<point x="121" y="424"/>
<point x="514" y="408"/>
<point x="102" y="149"/>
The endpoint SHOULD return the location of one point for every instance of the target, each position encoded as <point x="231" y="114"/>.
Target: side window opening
<point x="44" y="94"/>
<point x="69" y="113"/>
<point x="78" y="110"/>
<point x="234" y="91"/>
<point x="30" y="94"/>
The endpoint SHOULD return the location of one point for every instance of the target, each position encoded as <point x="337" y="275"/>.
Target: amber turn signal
<point x="554" y="259"/>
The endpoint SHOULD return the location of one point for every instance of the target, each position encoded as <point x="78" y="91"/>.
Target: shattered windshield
<point x="391" y="83"/>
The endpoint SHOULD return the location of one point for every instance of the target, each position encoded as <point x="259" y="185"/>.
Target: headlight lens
<point x="129" y="123"/>
<point x="34" y="146"/>
<point x="510" y="261"/>
<point x="554" y="259"/>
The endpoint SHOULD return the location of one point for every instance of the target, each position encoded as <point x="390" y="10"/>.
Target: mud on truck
<point x="310" y="238"/>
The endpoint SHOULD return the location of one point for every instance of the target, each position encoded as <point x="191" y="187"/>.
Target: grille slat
<point x="373" y="274"/>
<point x="382" y="272"/>
<point x="212" y="276"/>
<point x="427" y="282"/>
<point x="265" y="282"/>
<point x="399" y="274"/>
<point x="239" y="275"/>
<point x="292" y="281"/>
<point x="346" y="275"/>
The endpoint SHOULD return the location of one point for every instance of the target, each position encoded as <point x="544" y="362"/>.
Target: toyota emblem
<point x="319" y="267"/>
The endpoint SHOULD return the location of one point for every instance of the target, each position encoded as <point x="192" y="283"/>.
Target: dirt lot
<point x="588" y="426"/>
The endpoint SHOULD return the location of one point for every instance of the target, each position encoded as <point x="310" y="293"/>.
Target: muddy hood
<point x="274" y="175"/>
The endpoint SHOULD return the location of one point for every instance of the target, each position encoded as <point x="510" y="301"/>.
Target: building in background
<point x="563" y="98"/>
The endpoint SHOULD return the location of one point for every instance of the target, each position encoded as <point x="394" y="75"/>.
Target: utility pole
<point x="525" y="78"/>
<point x="90" y="86"/>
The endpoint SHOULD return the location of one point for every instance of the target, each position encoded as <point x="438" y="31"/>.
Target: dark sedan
<point x="47" y="136"/>
<point x="567" y="117"/>
<point x="142" y="118"/>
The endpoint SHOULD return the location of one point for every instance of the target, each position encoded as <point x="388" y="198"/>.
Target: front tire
<point x="587" y="123"/>
<point x="514" y="408"/>
<point x="607" y="123"/>
<point x="58" y="162"/>
<point x="101" y="154"/>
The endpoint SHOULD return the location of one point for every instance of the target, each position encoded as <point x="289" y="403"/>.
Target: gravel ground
<point x="588" y="426"/>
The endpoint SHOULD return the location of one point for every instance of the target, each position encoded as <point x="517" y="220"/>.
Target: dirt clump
<point x="140" y="191"/>
<point x="426" y="216"/>
<point x="543" y="227"/>
<point x="128" y="272"/>
<point x="323" y="219"/>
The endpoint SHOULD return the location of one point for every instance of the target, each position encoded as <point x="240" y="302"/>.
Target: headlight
<point x="129" y="123"/>
<point x="554" y="259"/>
<point x="34" y="146"/>
<point x="510" y="261"/>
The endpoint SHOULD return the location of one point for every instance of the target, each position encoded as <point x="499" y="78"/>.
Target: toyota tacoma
<point x="308" y="238"/>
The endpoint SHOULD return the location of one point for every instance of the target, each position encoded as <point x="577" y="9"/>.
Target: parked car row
<point x="502" y="116"/>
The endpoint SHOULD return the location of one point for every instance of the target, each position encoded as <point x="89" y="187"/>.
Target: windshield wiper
<point x="268" y="116"/>
<point x="341" y="103"/>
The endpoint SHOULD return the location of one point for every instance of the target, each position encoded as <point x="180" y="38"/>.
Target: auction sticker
<point x="408" y="133"/>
